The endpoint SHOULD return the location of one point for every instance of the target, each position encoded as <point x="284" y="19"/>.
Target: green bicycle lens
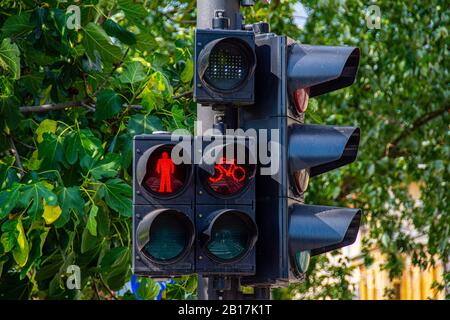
<point x="230" y="237"/>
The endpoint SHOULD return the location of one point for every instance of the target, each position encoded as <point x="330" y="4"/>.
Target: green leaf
<point x="10" y="116"/>
<point x="92" y="223"/>
<point x="115" y="30"/>
<point x="51" y="213"/>
<point x="135" y="13"/>
<point x="191" y="284"/>
<point x="8" y="200"/>
<point x="107" y="167"/>
<point x="148" y="289"/>
<point x="98" y="45"/>
<point x="17" y="25"/>
<point x="117" y="195"/>
<point x="126" y="151"/>
<point x="8" y="240"/>
<point x="9" y="226"/>
<point x="87" y="163"/>
<point x="82" y="143"/>
<point x="188" y="72"/>
<point x="88" y="241"/>
<point x="16" y="288"/>
<point x="163" y="84"/>
<point x="22" y="249"/>
<point x="115" y="267"/>
<point x="145" y="42"/>
<point x="108" y="104"/>
<point x="10" y="58"/>
<point x="33" y="162"/>
<point x="37" y="193"/>
<point x="133" y="73"/>
<point x="178" y="115"/>
<point x="103" y="219"/>
<point x="69" y="199"/>
<point x="37" y="239"/>
<point x="48" y="126"/>
<point x="144" y="123"/>
<point x="150" y="99"/>
<point x="51" y="151"/>
<point x="72" y="145"/>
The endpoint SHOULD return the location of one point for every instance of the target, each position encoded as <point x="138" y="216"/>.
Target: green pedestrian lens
<point x="169" y="237"/>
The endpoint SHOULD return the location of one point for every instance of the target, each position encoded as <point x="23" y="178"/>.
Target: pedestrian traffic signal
<point x="163" y="206"/>
<point x="225" y="209"/>
<point x="191" y="217"/>
<point x="287" y="75"/>
<point x="224" y="63"/>
<point x="162" y="177"/>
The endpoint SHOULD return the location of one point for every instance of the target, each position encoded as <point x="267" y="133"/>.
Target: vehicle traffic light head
<point x="313" y="150"/>
<point x="225" y="220"/>
<point x="316" y="70"/>
<point x="225" y="62"/>
<point x="318" y="149"/>
<point x="319" y="229"/>
<point x="163" y="200"/>
<point x="287" y="75"/>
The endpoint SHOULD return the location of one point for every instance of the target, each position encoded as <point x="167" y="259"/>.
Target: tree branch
<point x="135" y="106"/>
<point x="94" y="285"/>
<point x="74" y="104"/>
<point x="411" y="129"/>
<point x="84" y="104"/>
<point x="111" y="73"/>
<point x="182" y="95"/>
<point x="107" y="288"/>
<point x="24" y="144"/>
<point x="53" y="106"/>
<point x="15" y="153"/>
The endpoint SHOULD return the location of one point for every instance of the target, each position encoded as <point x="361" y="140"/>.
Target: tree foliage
<point x="72" y="96"/>
<point x="400" y="101"/>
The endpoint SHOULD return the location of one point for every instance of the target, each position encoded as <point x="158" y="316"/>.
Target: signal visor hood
<point x="321" y="148"/>
<point x="321" y="68"/>
<point x="321" y="229"/>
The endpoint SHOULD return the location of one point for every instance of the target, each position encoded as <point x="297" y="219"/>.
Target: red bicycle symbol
<point x="236" y="172"/>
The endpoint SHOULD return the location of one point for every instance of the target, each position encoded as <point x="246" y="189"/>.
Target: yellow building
<point x="415" y="284"/>
<point x="372" y="282"/>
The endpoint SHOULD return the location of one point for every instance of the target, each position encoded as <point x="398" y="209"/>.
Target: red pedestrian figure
<point x="165" y="168"/>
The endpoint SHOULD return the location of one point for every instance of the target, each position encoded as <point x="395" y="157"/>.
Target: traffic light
<point x="225" y="62"/>
<point x="223" y="214"/>
<point x="225" y="206"/>
<point x="287" y="75"/>
<point x="194" y="216"/>
<point x="163" y="206"/>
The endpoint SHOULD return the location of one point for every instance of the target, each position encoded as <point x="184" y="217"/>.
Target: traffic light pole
<point x="205" y="13"/>
<point x="205" y="114"/>
<point x="214" y="288"/>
